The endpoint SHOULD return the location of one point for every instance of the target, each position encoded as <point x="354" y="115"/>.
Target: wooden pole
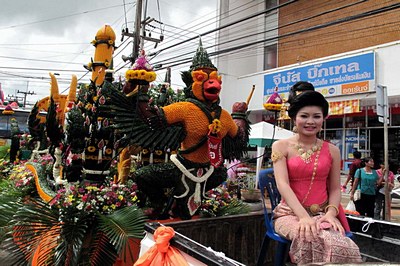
<point x="250" y="95"/>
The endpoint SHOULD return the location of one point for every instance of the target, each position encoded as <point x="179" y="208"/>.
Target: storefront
<point x="349" y="83"/>
<point x="354" y="131"/>
<point x="363" y="132"/>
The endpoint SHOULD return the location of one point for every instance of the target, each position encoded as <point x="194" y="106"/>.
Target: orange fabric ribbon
<point x="162" y="254"/>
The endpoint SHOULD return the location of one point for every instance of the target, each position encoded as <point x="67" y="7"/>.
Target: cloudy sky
<point x="38" y="37"/>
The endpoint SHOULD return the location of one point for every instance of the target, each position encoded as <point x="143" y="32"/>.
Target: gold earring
<point x="294" y="129"/>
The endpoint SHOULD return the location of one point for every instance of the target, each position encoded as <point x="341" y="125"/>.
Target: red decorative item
<point x="274" y="102"/>
<point x="215" y="150"/>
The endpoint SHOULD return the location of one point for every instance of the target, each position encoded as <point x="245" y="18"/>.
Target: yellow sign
<point x="344" y="107"/>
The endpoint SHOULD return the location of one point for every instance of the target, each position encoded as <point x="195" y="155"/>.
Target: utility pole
<point x="26" y="93"/>
<point x="139" y="34"/>
<point x="136" y="39"/>
<point x="382" y="104"/>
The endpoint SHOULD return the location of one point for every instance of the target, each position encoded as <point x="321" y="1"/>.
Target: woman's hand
<point x="308" y="228"/>
<point x="333" y="221"/>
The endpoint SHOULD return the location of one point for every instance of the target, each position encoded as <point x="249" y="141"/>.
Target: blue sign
<point x="355" y="138"/>
<point x="328" y="76"/>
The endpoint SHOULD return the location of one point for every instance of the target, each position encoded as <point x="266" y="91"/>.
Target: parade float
<point x="93" y="176"/>
<point x="110" y="156"/>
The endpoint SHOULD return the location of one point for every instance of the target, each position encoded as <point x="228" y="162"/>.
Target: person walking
<point x="307" y="173"/>
<point x="357" y="163"/>
<point x="366" y="179"/>
<point x="380" y="193"/>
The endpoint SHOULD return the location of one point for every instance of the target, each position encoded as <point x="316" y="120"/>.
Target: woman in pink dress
<point x="307" y="172"/>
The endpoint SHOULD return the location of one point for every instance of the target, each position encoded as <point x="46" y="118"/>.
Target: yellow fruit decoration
<point x="104" y="43"/>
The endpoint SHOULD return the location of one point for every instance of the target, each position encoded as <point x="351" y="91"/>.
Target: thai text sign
<point x="344" y="76"/>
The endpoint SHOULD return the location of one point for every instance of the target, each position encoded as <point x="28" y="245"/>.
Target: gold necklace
<point x="305" y="155"/>
<point x="313" y="207"/>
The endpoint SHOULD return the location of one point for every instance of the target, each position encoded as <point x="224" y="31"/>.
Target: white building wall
<point x="386" y="70"/>
<point x="233" y="65"/>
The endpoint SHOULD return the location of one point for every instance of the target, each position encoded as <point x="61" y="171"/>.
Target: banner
<point x="336" y="77"/>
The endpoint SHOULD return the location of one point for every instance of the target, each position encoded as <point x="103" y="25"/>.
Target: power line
<point x="311" y="28"/>
<point x="229" y="24"/>
<point x="57" y="18"/>
<point x="43" y="69"/>
<point x="39" y="60"/>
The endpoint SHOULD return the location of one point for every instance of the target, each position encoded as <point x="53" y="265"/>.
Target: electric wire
<point x="311" y="28"/>
<point x="57" y="18"/>
<point x="224" y="53"/>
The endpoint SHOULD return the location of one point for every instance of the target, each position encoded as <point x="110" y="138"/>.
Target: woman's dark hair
<point x="365" y="160"/>
<point x="308" y="98"/>
<point x="299" y="86"/>
<point x="357" y="154"/>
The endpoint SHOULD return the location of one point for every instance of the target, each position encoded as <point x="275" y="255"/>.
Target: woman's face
<point x="309" y="120"/>
<point x="370" y="163"/>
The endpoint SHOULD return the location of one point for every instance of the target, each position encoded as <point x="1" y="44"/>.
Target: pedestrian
<point x="366" y="179"/>
<point x="380" y="193"/>
<point x="357" y="163"/>
<point x="397" y="176"/>
<point x="307" y="172"/>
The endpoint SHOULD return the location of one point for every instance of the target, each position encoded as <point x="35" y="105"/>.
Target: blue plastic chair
<point x="266" y="181"/>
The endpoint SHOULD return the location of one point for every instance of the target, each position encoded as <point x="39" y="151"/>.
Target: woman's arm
<point x="307" y="226"/>
<point x="391" y="180"/>
<point x="282" y="180"/>
<point x="356" y="180"/>
<point x="332" y="210"/>
<point x="334" y="181"/>
<point x="381" y="180"/>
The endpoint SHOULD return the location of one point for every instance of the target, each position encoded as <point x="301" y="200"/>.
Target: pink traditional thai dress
<point x="331" y="245"/>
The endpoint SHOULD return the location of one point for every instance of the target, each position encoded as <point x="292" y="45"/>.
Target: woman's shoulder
<point x="283" y="144"/>
<point x="331" y="146"/>
<point x="333" y="149"/>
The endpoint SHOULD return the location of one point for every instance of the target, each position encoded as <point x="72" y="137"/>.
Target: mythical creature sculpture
<point x="205" y="133"/>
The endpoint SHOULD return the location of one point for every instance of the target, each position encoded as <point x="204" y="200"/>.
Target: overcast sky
<point x="54" y="36"/>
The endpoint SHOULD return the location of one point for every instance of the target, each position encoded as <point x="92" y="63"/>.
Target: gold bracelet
<point x="276" y="156"/>
<point x="333" y="206"/>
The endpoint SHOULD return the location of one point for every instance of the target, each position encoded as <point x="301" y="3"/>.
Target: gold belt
<point x="315" y="209"/>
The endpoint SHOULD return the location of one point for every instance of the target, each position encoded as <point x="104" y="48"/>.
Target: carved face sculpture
<point x="206" y="85"/>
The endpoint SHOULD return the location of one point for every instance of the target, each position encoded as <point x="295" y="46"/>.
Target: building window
<point x="270" y="56"/>
<point x="270" y="3"/>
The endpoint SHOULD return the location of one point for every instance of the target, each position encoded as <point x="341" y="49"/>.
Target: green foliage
<point x="220" y="203"/>
<point x="4" y="151"/>
<point x="76" y="237"/>
<point x="170" y="96"/>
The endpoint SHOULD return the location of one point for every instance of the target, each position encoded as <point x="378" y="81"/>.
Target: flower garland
<point x="94" y="198"/>
<point x="215" y="127"/>
<point x="140" y="74"/>
<point x="220" y="203"/>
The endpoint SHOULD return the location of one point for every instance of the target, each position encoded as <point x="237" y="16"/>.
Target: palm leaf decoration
<point x="122" y="225"/>
<point x="126" y="122"/>
<point x="74" y="237"/>
<point x="33" y="222"/>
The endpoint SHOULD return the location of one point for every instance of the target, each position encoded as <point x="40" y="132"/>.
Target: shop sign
<point x="347" y="75"/>
<point x="354" y="138"/>
<point x="344" y="107"/>
<point x="355" y="124"/>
